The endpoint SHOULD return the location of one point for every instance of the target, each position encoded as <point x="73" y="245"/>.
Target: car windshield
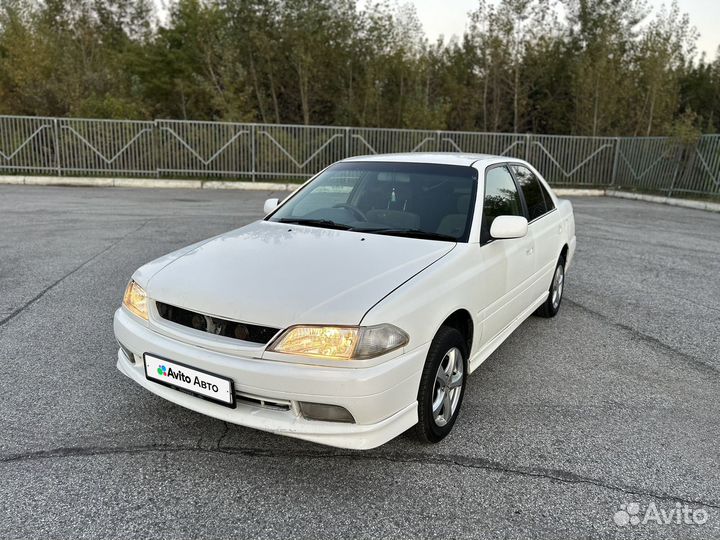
<point x="401" y="199"/>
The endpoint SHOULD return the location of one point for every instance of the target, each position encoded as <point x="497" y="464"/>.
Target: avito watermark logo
<point x="633" y="514"/>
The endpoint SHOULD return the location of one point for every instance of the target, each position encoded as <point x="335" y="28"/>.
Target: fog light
<point x="326" y="413"/>
<point x="128" y="354"/>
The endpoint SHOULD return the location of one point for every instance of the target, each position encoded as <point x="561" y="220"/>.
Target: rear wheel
<point x="552" y="304"/>
<point x="442" y="385"/>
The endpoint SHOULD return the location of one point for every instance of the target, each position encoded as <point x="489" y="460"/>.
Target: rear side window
<point x="536" y="196"/>
<point x="501" y="199"/>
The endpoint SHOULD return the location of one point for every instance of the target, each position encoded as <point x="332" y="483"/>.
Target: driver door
<point x="507" y="265"/>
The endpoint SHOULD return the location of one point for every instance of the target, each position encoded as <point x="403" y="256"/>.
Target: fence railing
<point x="172" y="148"/>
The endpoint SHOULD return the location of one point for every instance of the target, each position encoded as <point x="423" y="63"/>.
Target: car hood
<point x="277" y="274"/>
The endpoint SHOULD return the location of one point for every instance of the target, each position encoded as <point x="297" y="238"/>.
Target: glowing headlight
<point x="135" y="300"/>
<point x="340" y="342"/>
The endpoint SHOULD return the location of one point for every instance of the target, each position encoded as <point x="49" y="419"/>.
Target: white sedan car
<point x="357" y="307"/>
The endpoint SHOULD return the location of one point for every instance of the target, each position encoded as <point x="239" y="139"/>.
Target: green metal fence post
<point x="253" y="153"/>
<point x="613" y="177"/>
<point x="56" y="137"/>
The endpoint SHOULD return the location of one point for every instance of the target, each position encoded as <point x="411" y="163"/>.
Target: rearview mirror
<point x="270" y="205"/>
<point x="504" y="227"/>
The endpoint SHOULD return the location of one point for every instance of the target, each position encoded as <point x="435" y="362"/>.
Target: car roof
<point x="442" y="158"/>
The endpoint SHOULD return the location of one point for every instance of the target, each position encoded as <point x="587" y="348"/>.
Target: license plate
<point x="197" y="381"/>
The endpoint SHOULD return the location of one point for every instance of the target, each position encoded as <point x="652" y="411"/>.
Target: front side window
<point x="403" y="199"/>
<point x="501" y="199"/>
<point x="536" y="197"/>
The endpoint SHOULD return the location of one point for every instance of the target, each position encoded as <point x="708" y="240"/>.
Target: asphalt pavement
<point x="616" y="401"/>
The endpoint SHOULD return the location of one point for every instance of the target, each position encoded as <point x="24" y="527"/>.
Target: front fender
<point x="423" y="303"/>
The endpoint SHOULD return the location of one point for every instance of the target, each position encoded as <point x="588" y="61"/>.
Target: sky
<point x="449" y="17"/>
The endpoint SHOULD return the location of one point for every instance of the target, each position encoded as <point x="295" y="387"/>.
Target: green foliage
<point x="606" y="67"/>
<point x="684" y="130"/>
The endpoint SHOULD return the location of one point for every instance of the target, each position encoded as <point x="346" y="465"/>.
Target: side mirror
<point x="270" y="205"/>
<point x="508" y="227"/>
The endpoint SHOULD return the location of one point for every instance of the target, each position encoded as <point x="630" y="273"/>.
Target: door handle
<point x="529" y="251"/>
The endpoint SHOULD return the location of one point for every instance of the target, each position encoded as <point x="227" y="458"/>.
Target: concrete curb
<point x="62" y="181"/>
<point x="197" y="184"/>
<point x="144" y="183"/>
<point x="281" y="186"/>
<point x="571" y="192"/>
<point x="253" y="186"/>
<point x="685" y="203"/>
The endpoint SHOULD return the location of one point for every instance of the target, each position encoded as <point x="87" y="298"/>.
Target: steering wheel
<point x="356" y="211"/>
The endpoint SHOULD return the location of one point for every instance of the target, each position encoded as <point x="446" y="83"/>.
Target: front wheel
<point x="552" y="304"/>
<point x="442" y="385"/>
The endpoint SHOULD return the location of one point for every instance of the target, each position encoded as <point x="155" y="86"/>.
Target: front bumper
<point x="382" y="398"/>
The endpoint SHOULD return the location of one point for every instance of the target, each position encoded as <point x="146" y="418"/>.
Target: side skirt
<point x="489" y="348"/>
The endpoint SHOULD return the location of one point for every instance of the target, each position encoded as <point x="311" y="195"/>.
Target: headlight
<point x="340" y="342"/>
<point x="135" y="300"/>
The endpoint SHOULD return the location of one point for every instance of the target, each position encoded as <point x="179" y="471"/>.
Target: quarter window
<point x="536" y="196"/>
<point x="501" y="199"/>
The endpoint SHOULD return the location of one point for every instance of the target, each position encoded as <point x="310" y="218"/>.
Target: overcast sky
<point x="448" y="17"/>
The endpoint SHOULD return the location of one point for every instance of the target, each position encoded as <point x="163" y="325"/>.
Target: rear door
<point x="543" y="225"/>
<point x="507" y="265"/>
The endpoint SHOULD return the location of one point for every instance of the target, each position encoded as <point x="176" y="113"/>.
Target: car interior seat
<point x="394" y="207"/>
<point x="454" y="224"/>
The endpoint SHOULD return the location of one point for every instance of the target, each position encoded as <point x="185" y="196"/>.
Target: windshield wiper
<point x="329" y="224"/>
<point x="325" y="223"/>
<point x="411" y="233"/>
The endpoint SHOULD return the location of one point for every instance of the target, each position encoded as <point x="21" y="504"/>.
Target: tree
<point x="594" y="67"/>
<point x="660" y="58"/>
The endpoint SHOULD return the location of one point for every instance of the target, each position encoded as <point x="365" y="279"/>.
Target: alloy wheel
<point x="447" y="388"/>
<point x="557" y="286"/>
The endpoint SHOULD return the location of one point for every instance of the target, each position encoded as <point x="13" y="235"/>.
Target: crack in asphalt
<point x="226" y="428"/>
<point x="697" y="363"/>
<point x="47" y="289"/>
<point x="476" y="463"/>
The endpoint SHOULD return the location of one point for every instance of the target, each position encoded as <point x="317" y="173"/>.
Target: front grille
<point x="216" y="325"/>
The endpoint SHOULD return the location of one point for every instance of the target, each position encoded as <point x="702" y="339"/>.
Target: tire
<point x="447" y="346"/>
<point x="552" y="305"/>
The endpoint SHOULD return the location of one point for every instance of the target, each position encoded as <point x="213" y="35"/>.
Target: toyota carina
<point x="357" y="307"/>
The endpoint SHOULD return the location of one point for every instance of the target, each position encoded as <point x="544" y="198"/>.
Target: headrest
<point x="463" y="203"/>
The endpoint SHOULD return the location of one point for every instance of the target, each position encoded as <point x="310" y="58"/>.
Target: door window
<point x="536" y="196"/>
<point x="501" y="199"/>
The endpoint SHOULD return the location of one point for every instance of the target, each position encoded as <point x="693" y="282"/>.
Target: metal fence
<point x="172" y="148"/>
